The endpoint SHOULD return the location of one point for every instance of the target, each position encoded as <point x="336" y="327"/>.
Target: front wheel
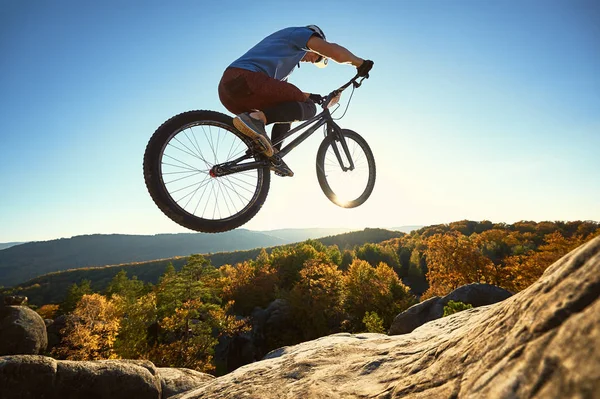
<point x="346" y="177"/>
<point x="177" y="169"/>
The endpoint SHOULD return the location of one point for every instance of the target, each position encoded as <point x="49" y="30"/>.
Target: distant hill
<point x="350" y="240"/>
<point x="406" y="229"/>
<point x="297" y="235"/>
<point x="52" y="287"/>
<point x="4" y="245"/>
<point x="23" y="262"/>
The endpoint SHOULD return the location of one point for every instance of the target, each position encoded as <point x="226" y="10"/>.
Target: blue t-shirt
<point x="278" y="54"/>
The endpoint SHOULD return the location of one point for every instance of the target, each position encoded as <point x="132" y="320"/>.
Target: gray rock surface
<point x="177" y="380"/>
<point x="53" y="330"/>
<point x="33" y="377"/>
<point x="433" y="308"/>
<point x="22" y="331"/>
<point x="543" y="342"/>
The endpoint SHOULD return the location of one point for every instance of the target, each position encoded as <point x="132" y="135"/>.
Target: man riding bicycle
<point x="255" y="87"/>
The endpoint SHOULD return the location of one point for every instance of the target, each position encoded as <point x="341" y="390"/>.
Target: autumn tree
<point x="374" y="289"/>
<point x="376" y="253"/>
<point x="454" y="260"/>
<point x="188" y="340"/>
<point x="288" y="261"/>
<point x="188" y="313"/>
<point x="48" y="311"/>
<point x="249" y="284"/>
<point x="316" y="299"/>
<point x="91" y="330"/>
<point x="525" y="269"/>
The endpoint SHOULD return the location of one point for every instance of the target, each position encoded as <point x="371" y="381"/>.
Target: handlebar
<point x="354" y="81"/>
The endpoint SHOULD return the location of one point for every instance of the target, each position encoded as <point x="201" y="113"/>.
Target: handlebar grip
<point x="364" y="68"/>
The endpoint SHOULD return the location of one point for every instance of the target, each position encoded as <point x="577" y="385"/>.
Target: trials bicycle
<point x="207" y="176"/>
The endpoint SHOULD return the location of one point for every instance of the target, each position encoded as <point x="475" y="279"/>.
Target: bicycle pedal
<point x="280" y="168"/>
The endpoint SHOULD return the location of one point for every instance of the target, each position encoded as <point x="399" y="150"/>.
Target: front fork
<point x="335" y="132"/>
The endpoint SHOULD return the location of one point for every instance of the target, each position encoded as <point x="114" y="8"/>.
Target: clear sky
<point x="474" y="109"/>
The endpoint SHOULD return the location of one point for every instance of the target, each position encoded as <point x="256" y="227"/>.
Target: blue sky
<point x="474" y="109"/>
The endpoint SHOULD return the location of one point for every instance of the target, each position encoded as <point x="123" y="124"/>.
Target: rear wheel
<point x="346" y="186"/>
<point x="177" y="165"/>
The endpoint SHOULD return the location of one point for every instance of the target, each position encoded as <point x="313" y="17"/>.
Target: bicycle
<point x="207" y="176"/>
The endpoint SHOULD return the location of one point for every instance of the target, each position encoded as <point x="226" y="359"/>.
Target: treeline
<point x="53" y="287"/>
<point x="511" y="256"/>
<point x="178" y="321"/>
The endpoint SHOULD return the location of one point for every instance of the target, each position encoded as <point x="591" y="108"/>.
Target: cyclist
<point x="255" y="86"/>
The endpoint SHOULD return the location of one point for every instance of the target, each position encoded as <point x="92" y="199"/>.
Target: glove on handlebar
<point x="316" y="98"/>
<point x="364" y="68"/>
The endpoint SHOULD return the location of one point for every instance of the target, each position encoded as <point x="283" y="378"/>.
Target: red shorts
<point x="241" y="91"/>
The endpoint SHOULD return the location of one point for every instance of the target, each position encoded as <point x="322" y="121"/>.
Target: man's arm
<point x="334" y="51"/>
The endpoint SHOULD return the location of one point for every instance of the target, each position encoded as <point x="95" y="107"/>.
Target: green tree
<point x="347" y="259"/>
<point x="375" y="254"/>
<point x="373" y="323"/>
<point x="455" y="307"/>
<point x="133" y="341"/>
<point x="121" y="285"/>
<point x="74" y="295"/>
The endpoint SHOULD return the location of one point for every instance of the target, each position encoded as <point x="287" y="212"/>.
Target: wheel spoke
<point x="185" y="163"/>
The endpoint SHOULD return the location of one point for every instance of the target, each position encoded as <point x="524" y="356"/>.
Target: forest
<point x="179" y="320"/>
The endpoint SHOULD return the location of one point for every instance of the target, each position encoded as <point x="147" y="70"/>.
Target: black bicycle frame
<point x="324" y="118"/>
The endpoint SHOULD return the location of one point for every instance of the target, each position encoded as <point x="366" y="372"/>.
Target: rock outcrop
<point x="433" y="308"/>
<point x="543" y="342"/>
<point x="22" y="331"/>
<point x="34" y="377"/>
<point x="177" y="380"/>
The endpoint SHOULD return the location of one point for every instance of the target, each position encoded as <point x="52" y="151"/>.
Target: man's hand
<point x="316" y="98"/>
<point x="364" y="68"/>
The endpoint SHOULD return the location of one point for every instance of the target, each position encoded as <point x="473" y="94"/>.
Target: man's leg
<point x="279" y="129"/>
<point x="290" y="112"/>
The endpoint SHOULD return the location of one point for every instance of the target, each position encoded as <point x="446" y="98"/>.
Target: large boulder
<point x="22" y="331"/>
<point x="33" y="377"/>
<point x="433" y="308"/>
<point x="543" y="342"/>
<point x="54" y="330"/>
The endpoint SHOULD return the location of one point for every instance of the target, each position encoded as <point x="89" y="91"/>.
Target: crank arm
<point x="229" y="168"/>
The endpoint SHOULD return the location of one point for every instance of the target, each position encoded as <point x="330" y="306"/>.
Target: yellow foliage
<point x="454" y="260"/>
<point x="91" y="330"/>
<point x="48" y="311"/>
<point x="524" y="270"/>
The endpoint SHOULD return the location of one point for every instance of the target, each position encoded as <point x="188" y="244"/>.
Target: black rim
<point x="347" y="188"/>
<point x="184" y="168"/>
